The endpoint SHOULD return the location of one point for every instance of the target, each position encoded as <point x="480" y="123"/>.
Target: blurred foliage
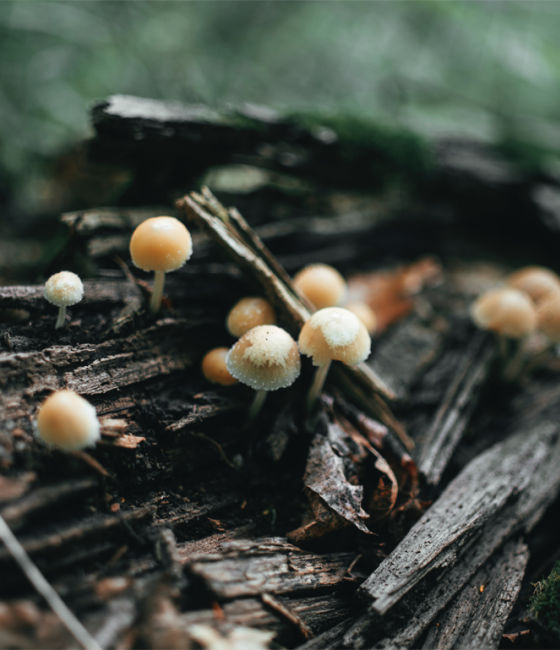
<point x="545" y="601"/>
<point x="475" y="68"/>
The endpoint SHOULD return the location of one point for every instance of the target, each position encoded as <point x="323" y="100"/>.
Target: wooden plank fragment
<point x="270" y="565"/>
<point x="477" y="616"/>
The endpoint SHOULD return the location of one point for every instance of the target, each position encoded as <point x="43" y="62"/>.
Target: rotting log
<point x="503" y="491"/>
<point x="477" y="616"/>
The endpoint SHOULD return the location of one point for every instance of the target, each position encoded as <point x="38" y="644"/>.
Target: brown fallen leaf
<point x="389" y="293"/>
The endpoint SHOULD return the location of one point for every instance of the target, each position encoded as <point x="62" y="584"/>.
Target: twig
<point x="37" y="579"/>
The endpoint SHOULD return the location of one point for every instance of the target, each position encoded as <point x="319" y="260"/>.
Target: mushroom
<point x="332" y="334"/>
<point x="548" y="315"/>
<point x="68" y="421"/>
<point x="265" y="358"/>
<point x="365" y="313"/>
<point x="511" y="314"/>
<point x="63" y="289"/>
<point x="248" y="313"/>
<point x="322" y="285"/>
<point x="160" y="244"/>
<point x="536" y="281"/>
<point x="214" y="367"/>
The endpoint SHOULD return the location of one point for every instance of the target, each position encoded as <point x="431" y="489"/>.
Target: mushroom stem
<point x="256" y="406"/>
<point x="61" y="317"/>
<point x="503" y="346"/>
<point x="159" y="281"/>
<point x="317" y="386"/>
<point x="513" y="369"/>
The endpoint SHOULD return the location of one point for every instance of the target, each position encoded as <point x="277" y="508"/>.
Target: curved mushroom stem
<point x="317" y="386"/>
<point x="512" y="371"/>
<point x="159" y="281"/>
<point x="61" y="317"/>
<point x="255" y="407"/>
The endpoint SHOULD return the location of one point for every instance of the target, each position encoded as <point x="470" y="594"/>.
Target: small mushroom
<point x="160" y="244"/>
<point x="214" y="367"/>
<point x="365" y="313"/>
<point x="511" y="314"/>
<point x="68" y="421"/>
<point x="322" y="285"/>
<point x="536" y="281"/>
<point x="265" y="358"/>
<point x="548" y="314"/>
<point x="332" y="334"/>
<point x="63" y="289"/>
<point x="248" y="313"/>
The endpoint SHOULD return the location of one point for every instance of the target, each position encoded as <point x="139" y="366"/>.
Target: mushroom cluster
<point x="529" y="303"/>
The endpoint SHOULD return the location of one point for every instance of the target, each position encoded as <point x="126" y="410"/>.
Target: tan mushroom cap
<point x="160" y="244"/>
<point x="548" y="314"/>
<point x="507" y="311"/>
<point x="337" y="334"/>
<point x="214" y="367"/>
<point x="64" y="289"/>
<point x="249" y="313"/>
<point x="265" y="358"/>
<point x="68" y="421"/>
<point x="322" y="285"/>
<point x="365" y="313"/>
<point x="536" y="281"/>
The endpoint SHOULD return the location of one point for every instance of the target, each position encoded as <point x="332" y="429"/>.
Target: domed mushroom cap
<point x="548" y="314"/>
<point x="507" y="311"/>
<point x="160" y="244"/>
<point x="536" y="281"/>
<point x="215" y="369"/>
<point x="64" y="289"/>
<point x="337" y="334"/>
<point x="249" y="313"/>
<point x="322" y="285"/>
<point x="68" y="421"/>
<point x="265" y="358"/>
<point x="365" y="313"/>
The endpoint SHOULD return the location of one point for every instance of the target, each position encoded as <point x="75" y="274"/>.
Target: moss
<point x="381" y="152"/>
<point x="545" y="601"/>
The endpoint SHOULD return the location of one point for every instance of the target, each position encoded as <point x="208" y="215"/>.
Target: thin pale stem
<point x="317" y="386"/>
<point x="514" y="368"/>
<point x="255" y="407"/>
<point x="157" y="294"/>
<point x="503" y="345"/>
<point x="38" y="580"/>
<point x="61" y="317"/>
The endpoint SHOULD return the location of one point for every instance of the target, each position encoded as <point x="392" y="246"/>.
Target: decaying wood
<point x="477" y="617"/>
<point x="503" y="491"/>
<point x="453" y="414"/>
<point x="270" y="565"/>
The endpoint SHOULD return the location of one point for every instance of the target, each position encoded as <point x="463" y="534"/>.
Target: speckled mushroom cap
<point x="548" y="314"/>
<point x="507" y="311"/>
<point x="265" y="358"/>
<point x="64" y="289"/>
<point x="337" y="334"/>
<point x="160" y="244"/>
<point x="68" y="421"/>
<point x="536" y="281"/>
<point x="322" y="285"/>
<point x="249" y="313"/>
<point x="214" y="367"/>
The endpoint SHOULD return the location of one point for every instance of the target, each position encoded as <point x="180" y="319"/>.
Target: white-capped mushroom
<point x="265" y="358"/>
<point x="160" y="244"/>
<point x="322" y="285"/>
<point x="63" y="289"/>
<point x="331" y="334"/>
<point x="365" y="313"/>
<point x="68" y="421"/>
<point x="248" y="313"/>
<point x="536" y="281"/>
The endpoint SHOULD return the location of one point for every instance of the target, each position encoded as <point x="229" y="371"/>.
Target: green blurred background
<point x="484" y="69"/>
